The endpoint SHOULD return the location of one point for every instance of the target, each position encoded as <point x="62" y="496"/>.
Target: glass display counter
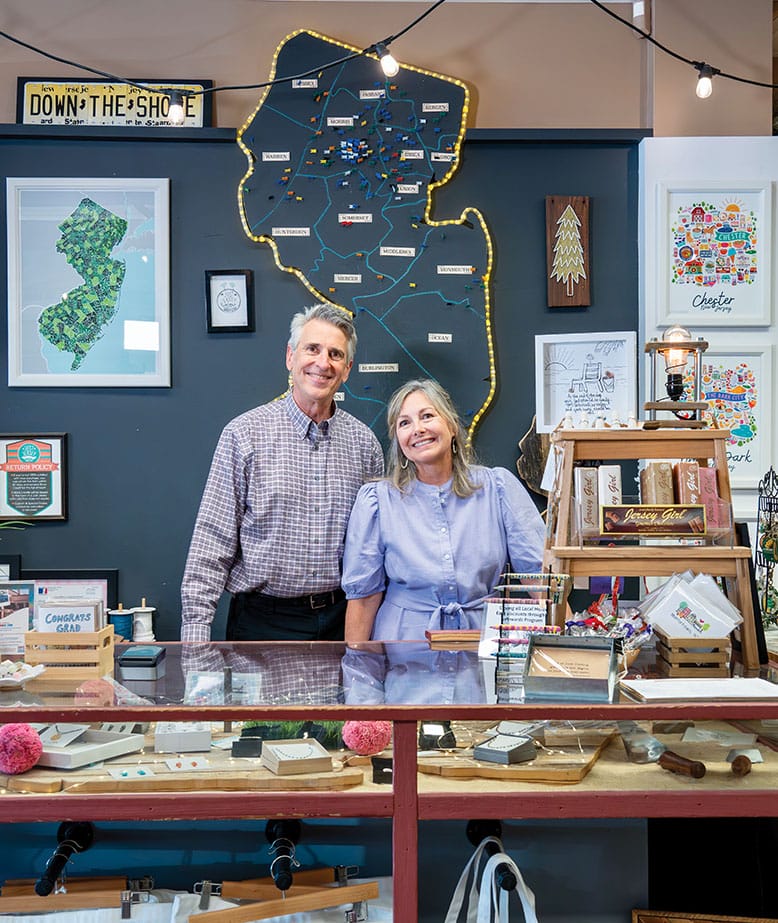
<point x="184" y="709"/>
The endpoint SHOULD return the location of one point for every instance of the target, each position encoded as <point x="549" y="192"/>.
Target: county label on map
<point x="88" y="282"/>
<point x="343" y="167"/>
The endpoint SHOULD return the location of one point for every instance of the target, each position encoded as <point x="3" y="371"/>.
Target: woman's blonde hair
<point x="462" y="455"/>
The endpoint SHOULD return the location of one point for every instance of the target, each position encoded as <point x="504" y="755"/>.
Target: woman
<point x="427" y="544"/>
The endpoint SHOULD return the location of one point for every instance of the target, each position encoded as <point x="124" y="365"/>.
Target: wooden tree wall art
<point x="567" y="251"/>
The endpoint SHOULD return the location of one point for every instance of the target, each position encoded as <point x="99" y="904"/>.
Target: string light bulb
<point x="388" y="62"/>
<point x="705" y="79"/>
<point x="175" y="111"/>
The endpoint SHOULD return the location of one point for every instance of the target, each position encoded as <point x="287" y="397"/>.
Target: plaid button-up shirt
<point x="275" y="507"/>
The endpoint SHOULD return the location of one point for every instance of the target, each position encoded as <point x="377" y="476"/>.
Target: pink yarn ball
<point x="367" y="737"/>
<point x="20" y="748"/>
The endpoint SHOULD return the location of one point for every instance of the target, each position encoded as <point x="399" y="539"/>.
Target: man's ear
<point x="348" y="371"/>
<point x="289" y="354"/>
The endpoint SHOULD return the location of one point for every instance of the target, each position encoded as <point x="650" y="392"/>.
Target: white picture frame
<point x="592" y="373"/>
<point x="738" y="381"/>
<point x="110" y="333"/>
<point x="713" y="254"/>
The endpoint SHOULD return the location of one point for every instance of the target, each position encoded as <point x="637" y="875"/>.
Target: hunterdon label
<point x="407" y="188"/>
<point x="411" y="155"/>
<point x="291" y="232"/>
<point x="443" y="156"/>
<point x="379" y="367"/>
<point x="454" y="270"/>
<point x="275" y="155"/>
<point x="440" y="338"/>
<point x="336" y="121"/>
<point x="356" y="217"/>
<point x="434" y="107"/>
<point x="372" y="94"/>
<point x="343" y="278"/>
<point x="311" y="83"/>
<point x="397" y="251"/>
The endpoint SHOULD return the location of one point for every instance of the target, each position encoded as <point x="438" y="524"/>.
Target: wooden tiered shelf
<point x="565" y="555"/>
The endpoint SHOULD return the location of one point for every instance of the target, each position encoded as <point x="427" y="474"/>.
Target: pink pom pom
<point x="367" y="737"/>
<point x="20" y="748"/>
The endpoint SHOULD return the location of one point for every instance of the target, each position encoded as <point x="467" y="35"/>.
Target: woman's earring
<point x="404" y="463"/>
<point x="454" y="449"/>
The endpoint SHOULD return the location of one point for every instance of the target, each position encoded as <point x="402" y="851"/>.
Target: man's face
<point x="318" y="364"/>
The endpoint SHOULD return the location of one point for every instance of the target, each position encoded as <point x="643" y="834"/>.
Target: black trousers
<point x="256" y="617"/>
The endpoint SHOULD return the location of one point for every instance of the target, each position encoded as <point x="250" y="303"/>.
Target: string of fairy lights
<point x="706" y="72"/>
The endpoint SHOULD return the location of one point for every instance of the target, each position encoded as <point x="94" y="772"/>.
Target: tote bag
<point x="487" y="902"/>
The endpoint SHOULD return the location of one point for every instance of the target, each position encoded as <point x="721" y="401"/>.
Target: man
<point x="273" y="516"/>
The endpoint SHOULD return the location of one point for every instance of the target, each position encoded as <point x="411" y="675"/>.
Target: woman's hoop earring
<point x="454" y="449"/>
<point x="404" y="463"/>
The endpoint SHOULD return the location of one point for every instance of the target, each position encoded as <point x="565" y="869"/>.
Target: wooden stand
<point x="562" y="555"/>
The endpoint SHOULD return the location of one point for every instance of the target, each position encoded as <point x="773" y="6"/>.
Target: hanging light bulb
<point x="389" y="63"/>
<point x="705" y="79"/>
<point x="175" y="112"/>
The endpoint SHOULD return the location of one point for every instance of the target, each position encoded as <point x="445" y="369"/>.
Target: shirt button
<point x="444" y="529"/>
<point x="446" y="557"/>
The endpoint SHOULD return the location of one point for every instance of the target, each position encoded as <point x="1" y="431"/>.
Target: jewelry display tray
<point x="91" y="747"/>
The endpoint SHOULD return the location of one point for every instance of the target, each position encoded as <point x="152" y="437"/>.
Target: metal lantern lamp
<point x="676" y="348"/>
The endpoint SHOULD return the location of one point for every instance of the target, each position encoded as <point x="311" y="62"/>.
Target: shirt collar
<point x="301" y="421"/>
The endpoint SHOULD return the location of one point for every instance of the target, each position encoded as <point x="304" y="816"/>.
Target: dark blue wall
<point x="138" y="457"/>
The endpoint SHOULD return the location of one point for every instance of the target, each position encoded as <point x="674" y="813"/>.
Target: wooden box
<point x="686" y="658"/>
<point x="70" y="659"/>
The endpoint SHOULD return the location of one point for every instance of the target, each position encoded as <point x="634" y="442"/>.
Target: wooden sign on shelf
<point x="567" y="251"/>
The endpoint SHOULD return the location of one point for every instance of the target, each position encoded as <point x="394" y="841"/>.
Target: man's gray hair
<point x="332" y="315"/>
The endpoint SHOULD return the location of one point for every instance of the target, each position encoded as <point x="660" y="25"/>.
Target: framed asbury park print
<point x="88" y="282"/>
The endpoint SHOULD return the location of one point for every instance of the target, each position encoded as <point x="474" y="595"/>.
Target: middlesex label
<point x="356" y="217"/>
<point x="440" y="338"/>
<point x="645" y="519"/>
<point x="397" y="251"/>
<point x="434" y="107"/>
<point x="344" y="278"/>
<point x="454" y="270"/>
<point x="379" y="367"/>
<point x="372" y="94"/>
<point x="291" y="232"/>
<point x="275" y="155"/>
<point x="340" y="121"/>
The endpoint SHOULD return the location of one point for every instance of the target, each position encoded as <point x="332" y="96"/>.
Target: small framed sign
<point x="33" y="482"/>
<point x="229" y="300"/>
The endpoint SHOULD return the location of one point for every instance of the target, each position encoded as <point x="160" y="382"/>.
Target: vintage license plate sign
<point x="42" y="101"/>
<point x="645" y="519"/>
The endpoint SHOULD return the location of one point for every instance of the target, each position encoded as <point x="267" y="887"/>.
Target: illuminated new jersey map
<point x="343" y="166"/>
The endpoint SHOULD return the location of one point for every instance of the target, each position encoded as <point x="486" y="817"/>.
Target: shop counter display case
<point x="160" y="739"/>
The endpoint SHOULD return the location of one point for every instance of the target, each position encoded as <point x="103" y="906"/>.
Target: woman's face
<point x="422" y="433"/>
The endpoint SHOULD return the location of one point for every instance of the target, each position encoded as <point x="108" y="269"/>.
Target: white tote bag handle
<point x="458" y="897"/>
<point x="493" y="900"/>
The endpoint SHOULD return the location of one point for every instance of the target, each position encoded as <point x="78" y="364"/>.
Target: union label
<point x="407" y="188"/>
